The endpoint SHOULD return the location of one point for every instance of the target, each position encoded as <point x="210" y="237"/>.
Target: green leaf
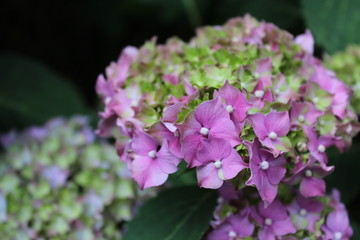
<point x="335" y="24"/>
<point x="175" y="214"/>
<point x="30" y="93"/>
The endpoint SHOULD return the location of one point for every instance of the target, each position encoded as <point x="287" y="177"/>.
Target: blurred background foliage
<point x="51" y="52"/>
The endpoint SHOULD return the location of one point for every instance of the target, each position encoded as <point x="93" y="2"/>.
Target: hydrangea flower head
<point x="71" y="184"/>
<point x="204" y="102"/>
<point x="346" y="65"/>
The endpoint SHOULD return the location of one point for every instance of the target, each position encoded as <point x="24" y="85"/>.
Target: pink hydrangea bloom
<point x="220" y="162"/>
<point x="270" y="129"/>
<point x="209" y="119"/>
<point x="234" y="227"/>
<point x="274" y="220"/>
<point x="151" y="165"/>
<point x="266" y="171"/>
<point x="305" y="212"/>
<point x="235" y="103"/>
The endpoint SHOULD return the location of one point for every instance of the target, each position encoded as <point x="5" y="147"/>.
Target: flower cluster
<point x="240" y="215"/>
<point x="346" y="65"/>
<point x="243" y="101"/>
<point x="59" y="182"/>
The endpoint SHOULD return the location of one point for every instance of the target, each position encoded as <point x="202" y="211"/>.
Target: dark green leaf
<point x="346" y="174"/>
<point x="175" y="214"/>
<point x="30" y="93"/>
<point x="334" y="23"/>
<point x="283" y="13"/>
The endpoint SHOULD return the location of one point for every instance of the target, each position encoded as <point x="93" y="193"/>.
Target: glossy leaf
<point x="175" y="214"/>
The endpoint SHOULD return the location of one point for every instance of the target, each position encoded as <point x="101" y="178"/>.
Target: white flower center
<point x="264" y="165"/>
<point x="217" y="164"/>
<point x="259" y="93"/>
<point x="107" y="100"/>
<point x="229" y="108"/>
<point x="301" y="118"/>
<point x="232" y="234"/>
<point x="321" y="148"/>
<point x="268" y="221"/>
<point x="204" y="131"/>
<point x="272" y="135"/>
<point x="302" y="147"/>
<point x="308" y="173"/>
<point x="152" y="154"/>
<point x="303" y="212"/>
<point x="256" y="75"/>
<point x="337" y="236"/>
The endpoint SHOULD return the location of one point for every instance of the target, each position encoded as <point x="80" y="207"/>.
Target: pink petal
<point x="266" y="234"/>
<point x="232" y="165"/>
<point x="258" y="120"/>
<point x="306" y="41"/>
<point x="283" y="227"/>
<point x="167" y="161"/>
<point x="147" y="172"/>
<point x="225" y="128"/>
<point x="167" y="131"/>
<point x="207" y="113"/>
<point x="171" y="112"/>
<point x="213" y="149"/>
<point x="312" y="187"/>
<point x="190" y="126"/>
<point x="189" y="147"/>
<point x="143" y="143"/>
<point x="208" y="176"/>
<point x="338" y="221"/>
<point x="266" y="190"/>
<point x="278" y="122"/>
<point x="275" y="211"/>
<point x="241" y="224"/>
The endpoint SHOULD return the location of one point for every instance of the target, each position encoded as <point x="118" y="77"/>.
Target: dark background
<point x="51" y="52"/>
<point x="79" y="38"/>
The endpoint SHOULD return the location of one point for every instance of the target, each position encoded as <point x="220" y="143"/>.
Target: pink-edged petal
<point x="167" y="161"/>
<point x="338" y="220"/>
<point x="266" y="190"/>
<point x="278" y="122"/>
<point x="213" y="149"/>
<point x="171" y="112"/>
<point x="210" y="111"/>
<point x="229" y="93"/>
<point x="242" y="225"/>
<point x="169" y="132"/>
<point x="220" y="233"/>
<point x="283" y="227"/>
<point x="147" y="172"/>
<point x="189" y="147"/>
<point x="312" y="187"/>
<point x="275" y="211"/>
<point x="275" y="174"/>
<point x="232" y="165"/>
<point x="266" y="234"/>
<point x="225" y="128"/>
<point x="306" y="41"/>
<point x="208" y="176"/>
<point x="190" y="126"/>
<point x="143" y="143"/>
<point x="258" y="120"/>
